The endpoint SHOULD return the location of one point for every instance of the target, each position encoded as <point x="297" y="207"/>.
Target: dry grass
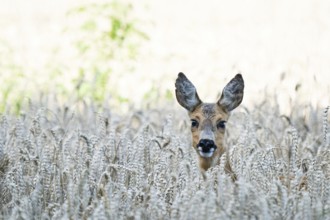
<point x="86" y="165"/>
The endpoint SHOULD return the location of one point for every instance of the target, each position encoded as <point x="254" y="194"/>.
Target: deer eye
<point x="221" y="125"/>
<point x="194" y="123"/>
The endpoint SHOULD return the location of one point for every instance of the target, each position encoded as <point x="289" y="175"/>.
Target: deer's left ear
<point x="232" y="94"/>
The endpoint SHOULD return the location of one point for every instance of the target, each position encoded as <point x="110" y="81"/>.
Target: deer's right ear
<point x="186" y="93"/>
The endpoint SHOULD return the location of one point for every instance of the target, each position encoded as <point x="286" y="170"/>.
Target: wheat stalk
<point x="143" y="167"/>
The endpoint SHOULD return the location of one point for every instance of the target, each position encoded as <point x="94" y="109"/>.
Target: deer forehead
<point x="209" y="111"/>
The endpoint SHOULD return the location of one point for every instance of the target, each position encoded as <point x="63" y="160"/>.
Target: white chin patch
<point x="208" y="154"/>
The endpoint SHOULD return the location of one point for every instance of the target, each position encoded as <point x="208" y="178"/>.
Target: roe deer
<point x="208" y="120"/>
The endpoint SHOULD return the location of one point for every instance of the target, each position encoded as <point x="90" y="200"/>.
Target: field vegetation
<point x="56" y="163"/>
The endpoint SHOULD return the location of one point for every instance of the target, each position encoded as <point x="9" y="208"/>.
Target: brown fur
<point x="207" y="115"/>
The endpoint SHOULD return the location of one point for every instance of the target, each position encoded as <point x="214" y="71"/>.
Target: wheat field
<point x="61" y="163"/>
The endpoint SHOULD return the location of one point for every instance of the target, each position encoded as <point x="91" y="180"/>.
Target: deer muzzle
<point x="206" y="147"/>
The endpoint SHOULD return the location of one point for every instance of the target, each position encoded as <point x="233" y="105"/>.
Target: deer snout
<point x="206" y="147"/>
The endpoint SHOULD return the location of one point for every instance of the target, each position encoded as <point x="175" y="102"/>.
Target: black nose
<point x="206" y="145"/>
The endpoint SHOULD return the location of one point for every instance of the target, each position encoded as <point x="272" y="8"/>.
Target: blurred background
<point x="126" y="53"/>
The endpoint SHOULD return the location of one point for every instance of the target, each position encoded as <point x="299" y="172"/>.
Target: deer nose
<point x="206" y="145"/>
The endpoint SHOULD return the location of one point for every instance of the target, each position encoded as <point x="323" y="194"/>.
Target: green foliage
<point x="108" y="35"/>
<point x="102" y="37"/>
<point x="107" y="30"/>
<point x="12" y="92"/>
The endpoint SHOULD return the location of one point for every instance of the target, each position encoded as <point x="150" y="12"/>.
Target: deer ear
<point x="186" y="93"/>
<point x="232" y="94"/>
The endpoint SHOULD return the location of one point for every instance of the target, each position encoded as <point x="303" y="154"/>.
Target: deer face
<point x="208" y="120"/>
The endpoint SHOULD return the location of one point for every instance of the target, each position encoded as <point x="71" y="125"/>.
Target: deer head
<point x="208" y="120"/>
